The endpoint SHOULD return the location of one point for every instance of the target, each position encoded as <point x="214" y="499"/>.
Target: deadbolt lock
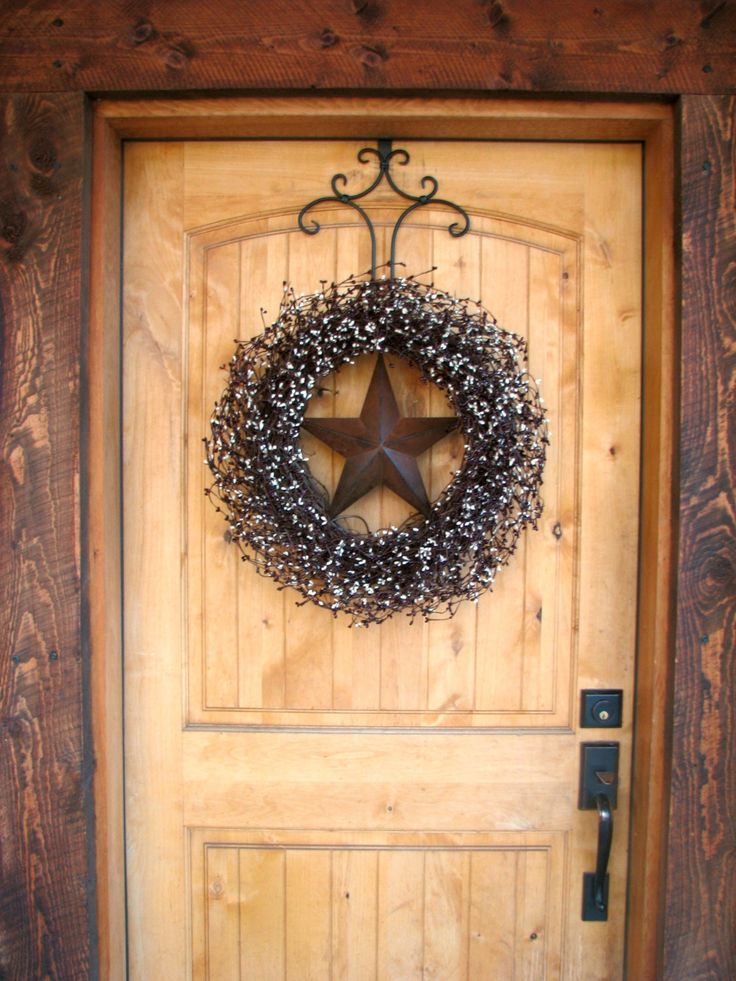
<point x="601" y="708"/>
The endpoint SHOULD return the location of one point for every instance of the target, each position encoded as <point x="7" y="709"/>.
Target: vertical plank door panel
<point x="222" y="950"/>
<point x="221" y="618"/>
<point x="262" y="920"/>
<point x="366" y="906"/>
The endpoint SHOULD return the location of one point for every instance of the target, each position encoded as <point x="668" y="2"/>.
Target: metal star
<point x="380" y="447"/>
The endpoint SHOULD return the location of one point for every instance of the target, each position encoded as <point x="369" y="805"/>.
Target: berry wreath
<point x="278" y="514"/>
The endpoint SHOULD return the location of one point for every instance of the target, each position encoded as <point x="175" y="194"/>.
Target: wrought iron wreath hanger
<point x="386" y="155"/>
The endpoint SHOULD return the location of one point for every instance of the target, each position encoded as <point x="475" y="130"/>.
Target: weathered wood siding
<point x="44" y="766"/>
<point x="700" y="923"/>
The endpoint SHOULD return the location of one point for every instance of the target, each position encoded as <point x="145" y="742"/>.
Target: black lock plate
<point x="601" y="708"/>
<point x="598" y="774"/>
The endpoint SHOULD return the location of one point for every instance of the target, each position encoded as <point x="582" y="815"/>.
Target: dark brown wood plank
<point x="700" y="939"/>
<point x="44" y="929"/>
<point x="613" y="46"/>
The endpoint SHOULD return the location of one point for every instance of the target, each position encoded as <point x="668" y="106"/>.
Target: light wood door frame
<point x="371" y="118"/>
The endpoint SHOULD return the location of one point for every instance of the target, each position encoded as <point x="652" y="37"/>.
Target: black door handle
<point x="595" y="884"/>
<point x="605" y="837"/>
<point x="598" y="789"/>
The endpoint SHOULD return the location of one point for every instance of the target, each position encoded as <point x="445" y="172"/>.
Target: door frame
<point x="650" y="123"/>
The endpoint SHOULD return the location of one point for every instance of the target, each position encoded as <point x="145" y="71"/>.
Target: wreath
<point x="278" y="514"/>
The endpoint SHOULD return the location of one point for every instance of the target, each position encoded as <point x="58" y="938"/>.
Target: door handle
<point x="595" y="884"/>
<point x="599" y="790"/>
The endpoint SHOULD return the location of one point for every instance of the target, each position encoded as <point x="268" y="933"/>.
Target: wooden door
<point x="310" y="801"/>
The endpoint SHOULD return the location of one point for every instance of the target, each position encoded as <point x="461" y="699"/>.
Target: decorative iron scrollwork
<point x="386" y="156"/>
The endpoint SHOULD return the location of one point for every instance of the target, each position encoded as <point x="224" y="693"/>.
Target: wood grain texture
<point x="658" y="542"/>
<point x="188" y="288"/>
<point x="32" y="41"/>
<point x="701" y="907"/>
<point x="103" y="550"/>
<point x="44" y="772"/>
<point x="665" y="46"/>
<point x="423" y="115"/>
<point x="273" y="904"/>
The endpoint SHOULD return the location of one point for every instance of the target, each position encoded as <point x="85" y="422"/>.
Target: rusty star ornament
<point x="380" y="447"/>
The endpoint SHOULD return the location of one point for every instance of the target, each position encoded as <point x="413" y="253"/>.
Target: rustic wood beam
<point x="614" y="46"/>
<point x="700" y="913"/>
<point x="45" y="768"/>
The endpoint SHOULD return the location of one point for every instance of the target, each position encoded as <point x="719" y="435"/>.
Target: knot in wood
<point x="497" y="16"/>
<point x="42" y="155"/>
<point x="328" y="39"/>
<point x="15" y="727"/>
<point x="142" y="32"/>
<point x="371" y="58"/>
<point x="176" y="57"/>
<point x="717" y="578"/>
<point x="369" y="11"/>
<point x="13" y="223"/>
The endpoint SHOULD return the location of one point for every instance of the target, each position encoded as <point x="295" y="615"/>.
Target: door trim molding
<point x="354" y="117"/>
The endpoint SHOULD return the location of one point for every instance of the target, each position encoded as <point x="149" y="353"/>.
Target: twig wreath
<point x="278" y="514"/>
